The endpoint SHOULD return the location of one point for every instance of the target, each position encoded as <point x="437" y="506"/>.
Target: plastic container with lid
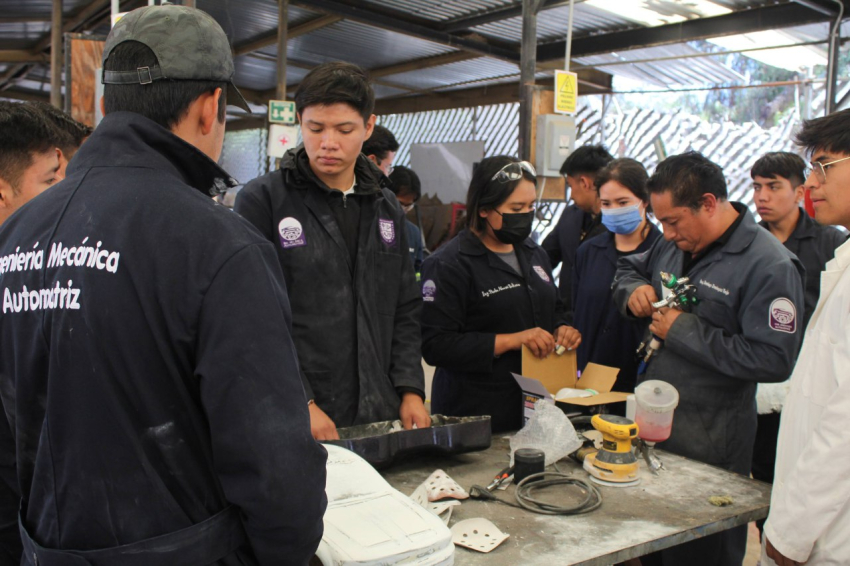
<point x="656" y="400"/>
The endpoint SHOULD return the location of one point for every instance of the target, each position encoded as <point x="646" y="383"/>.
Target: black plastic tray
<point x="378" y="445"/>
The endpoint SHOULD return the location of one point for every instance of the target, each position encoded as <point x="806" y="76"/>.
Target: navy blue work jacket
<point x="147" y="370"/>
<point x="607" y="338"/>
<point x="470" y="295"/>
<point x="561" y="245"/>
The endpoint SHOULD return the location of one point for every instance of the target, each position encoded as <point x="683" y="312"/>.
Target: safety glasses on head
<point x="513" y="171"/>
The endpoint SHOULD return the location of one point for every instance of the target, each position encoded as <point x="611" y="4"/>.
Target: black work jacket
<point x="561" y="245"/>
<point x="814" y="245"/>
<point x="606" y="337"/>
<point x="471" y="295"/>
<point x="356" y="326"/>
<point x="146" y="366"/>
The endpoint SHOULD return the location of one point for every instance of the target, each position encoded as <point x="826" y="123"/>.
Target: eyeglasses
<point x="820" y="168"/>
<point x="513" y="171"/>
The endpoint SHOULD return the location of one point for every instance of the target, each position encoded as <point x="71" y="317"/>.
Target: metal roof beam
<point x="398" y="22"/>
<point x="270" y="38"/>
<point x="423" y="63"/>
<point x="590" y="82"/>
<point x="503" y="13"/>
<point x="25" y="95"/>
<point x="744" y="21"/>
<point x="263" y="96"/>
<point x="24" y="19"/>
<point x="21" y="56"/>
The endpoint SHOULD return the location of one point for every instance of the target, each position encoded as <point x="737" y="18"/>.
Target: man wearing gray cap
<point x="154" y="409"/>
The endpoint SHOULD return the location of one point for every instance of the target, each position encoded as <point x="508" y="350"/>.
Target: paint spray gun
<point x="682" y="295"/>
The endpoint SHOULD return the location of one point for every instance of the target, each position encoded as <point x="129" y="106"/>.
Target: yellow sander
<point x="614" y="464"/>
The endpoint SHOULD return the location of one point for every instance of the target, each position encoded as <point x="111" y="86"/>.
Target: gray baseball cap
<point x="188" y="44"/>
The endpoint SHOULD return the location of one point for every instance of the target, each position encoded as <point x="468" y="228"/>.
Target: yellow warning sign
<point x="566" y="92"/>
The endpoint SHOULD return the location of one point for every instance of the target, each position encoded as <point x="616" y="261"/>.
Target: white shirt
<point x="810" y="505"/>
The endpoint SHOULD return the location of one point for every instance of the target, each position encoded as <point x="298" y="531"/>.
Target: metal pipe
<point x="569" y="38"/>
<point x="56" y="55"/>
<point x="832" y="65"/>
<point x="282" y="29"/>
<point x="115" y="9"/>
<point x="713" y="88"/>
<point x="528" y="66"/>
<point x="602" y="119"/>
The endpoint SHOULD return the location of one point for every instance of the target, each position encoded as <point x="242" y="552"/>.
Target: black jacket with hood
<point x="355" y="323"/>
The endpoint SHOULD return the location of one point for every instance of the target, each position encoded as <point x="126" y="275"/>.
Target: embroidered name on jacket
<point x="499" y="289"/>
<point x="714" y="287"/>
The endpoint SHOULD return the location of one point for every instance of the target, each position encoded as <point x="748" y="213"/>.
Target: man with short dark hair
<point x="72" y="133"/>
<point x="809" y="521"/>
<point x="147" y="369"/>
<point x="744" y="329"/>
<point x="581" y="220"/>
<point x="342" y="242"/>
<point x="28" y="158"/>
<point x="407" y="187"/>
<point x="381" y="148"/>
<point x="778" y="190"/>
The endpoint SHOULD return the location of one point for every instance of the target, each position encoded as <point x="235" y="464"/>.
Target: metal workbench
<point x="662" y="511"/>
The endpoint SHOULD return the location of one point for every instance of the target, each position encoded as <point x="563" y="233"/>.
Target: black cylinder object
<point x="528" y="461"/>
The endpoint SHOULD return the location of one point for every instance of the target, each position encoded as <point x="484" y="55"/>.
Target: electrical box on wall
<point x="556" y="139"/>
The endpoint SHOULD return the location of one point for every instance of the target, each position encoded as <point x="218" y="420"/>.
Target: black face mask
<point x="516" y="227"/>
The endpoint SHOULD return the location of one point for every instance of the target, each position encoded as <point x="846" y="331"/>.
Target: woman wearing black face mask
<point x="487" y="293"/>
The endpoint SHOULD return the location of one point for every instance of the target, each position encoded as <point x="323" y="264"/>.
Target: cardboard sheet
<point x="554" y="372"/>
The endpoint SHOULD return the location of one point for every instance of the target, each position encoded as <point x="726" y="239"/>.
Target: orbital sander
<point x="614" y="464"/>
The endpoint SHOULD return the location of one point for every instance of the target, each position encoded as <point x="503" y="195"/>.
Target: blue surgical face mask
<point x="623" y="220"/>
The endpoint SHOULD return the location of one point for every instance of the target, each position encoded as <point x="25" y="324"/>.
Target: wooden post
<point x="56" y="55"/>
<point x="282" y="30"/>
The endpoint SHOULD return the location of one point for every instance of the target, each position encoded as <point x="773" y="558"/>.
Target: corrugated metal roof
<point x="375" y="48"/>
<point x="668" y="73"/>
<point x="242" y="24"/>
<point x="552" y="24"/>
<point x="588" y="19"/>
<point x="36" y="8"/>
<point x="368" y="46"/>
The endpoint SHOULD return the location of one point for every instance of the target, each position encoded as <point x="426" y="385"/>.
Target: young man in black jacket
<point x="29" y="161"/>
<point x="153" y="408"/>
<point x="581" y="220"/>
<point x="342" y="242"/>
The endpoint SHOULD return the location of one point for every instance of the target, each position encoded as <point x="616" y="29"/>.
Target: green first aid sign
<point x="281" y="112"/>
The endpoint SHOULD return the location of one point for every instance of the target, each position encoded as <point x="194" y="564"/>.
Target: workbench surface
<point x="662" y="511"/>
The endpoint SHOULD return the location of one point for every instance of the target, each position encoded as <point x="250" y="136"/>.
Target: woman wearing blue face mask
<point x="487" y="293"/>
<point x="609" y="339"/>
